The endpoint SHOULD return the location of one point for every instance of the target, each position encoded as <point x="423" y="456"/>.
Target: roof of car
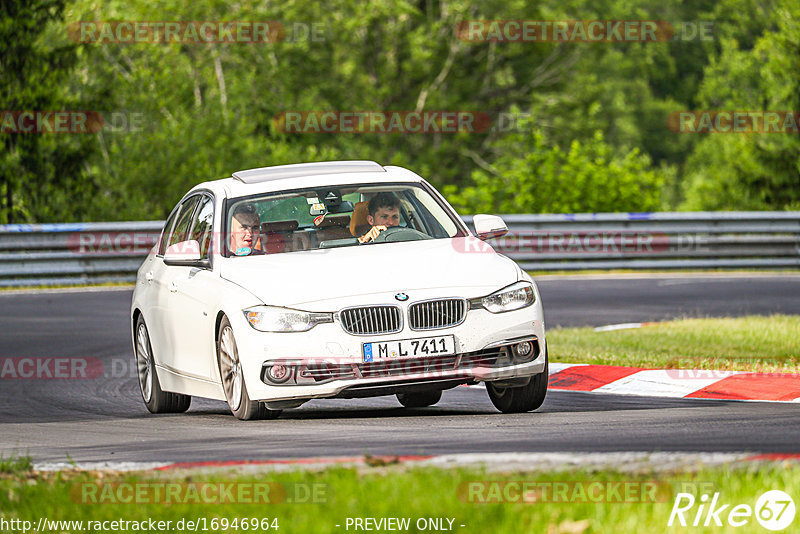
<point x="265" y="174"/>
<point x="301" y="175"/>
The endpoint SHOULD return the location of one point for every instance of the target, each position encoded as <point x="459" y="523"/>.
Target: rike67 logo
<point x="774" y="510"/>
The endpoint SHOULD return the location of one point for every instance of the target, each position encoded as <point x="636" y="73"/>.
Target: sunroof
<point x="265" y="174"/>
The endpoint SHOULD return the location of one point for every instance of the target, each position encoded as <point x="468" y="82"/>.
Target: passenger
<point x="245" y="230"/>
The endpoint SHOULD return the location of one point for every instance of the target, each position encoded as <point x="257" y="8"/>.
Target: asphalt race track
<point x="103" y="418"/>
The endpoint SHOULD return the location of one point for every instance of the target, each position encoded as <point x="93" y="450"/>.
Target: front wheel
<point x="156" y="400"/>
<point x="419" y="400"/>
<point x="523" y="398"/>
<point x="230" y="370"/>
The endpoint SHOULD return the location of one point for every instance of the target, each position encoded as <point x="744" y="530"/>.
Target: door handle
<point x="173" y="287"/>
<point x="148" y="276"/>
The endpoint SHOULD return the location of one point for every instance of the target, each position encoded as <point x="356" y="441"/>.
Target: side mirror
<point x="489" y="226"/>
<point x="185" y="253"/>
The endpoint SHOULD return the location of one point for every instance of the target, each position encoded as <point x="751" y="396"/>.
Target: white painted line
<point x="621" y="461"/>
<point x="99" y="466"/>
<point x="556" y="367"/>
<point x="664" y="382"/>
<point x="621" y="326"/>
<point x="634" y="461"/>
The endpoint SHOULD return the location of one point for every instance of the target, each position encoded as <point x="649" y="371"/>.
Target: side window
<point x="181" y="230"/>
<point x="203" y="224"/>
<point x="162" y="241"/>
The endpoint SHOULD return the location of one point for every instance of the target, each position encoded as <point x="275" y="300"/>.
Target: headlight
<point x="513" y="297"/>
<point x="274" y="319"/>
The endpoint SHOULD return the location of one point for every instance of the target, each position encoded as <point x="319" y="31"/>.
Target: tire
<point x="156" y="400"/>
<point x="524" y="398"/>
<point x="230" y="371"/>
<point x="420" y="399"/>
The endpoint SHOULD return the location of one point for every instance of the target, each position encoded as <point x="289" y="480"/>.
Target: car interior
<point x="301" y="222"/>
<point x="287" y="236"/>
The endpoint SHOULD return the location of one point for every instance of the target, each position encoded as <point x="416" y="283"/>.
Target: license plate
<point x="409" y="348"/>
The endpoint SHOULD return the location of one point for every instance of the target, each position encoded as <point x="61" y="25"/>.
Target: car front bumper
<point x="483" y="346"/>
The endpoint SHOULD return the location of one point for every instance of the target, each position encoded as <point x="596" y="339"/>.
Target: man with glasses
<point x="245" y="230"/>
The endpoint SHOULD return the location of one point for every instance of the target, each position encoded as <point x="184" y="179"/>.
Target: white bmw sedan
<point x="331" y="280"/>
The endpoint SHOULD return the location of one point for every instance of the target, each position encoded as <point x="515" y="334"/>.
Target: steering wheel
<point x="399" y="233"/>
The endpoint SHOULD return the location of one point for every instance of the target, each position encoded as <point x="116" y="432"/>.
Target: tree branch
<point x="223" y="94"/>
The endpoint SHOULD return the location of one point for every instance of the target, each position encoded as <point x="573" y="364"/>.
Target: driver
<point x="384" y="212"/>
<point x="245" y="227"/>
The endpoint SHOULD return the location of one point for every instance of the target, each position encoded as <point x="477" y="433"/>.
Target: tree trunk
<point x="9" y="201"/>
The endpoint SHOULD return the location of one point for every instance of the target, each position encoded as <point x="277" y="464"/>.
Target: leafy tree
<point x="41" y="174"/>
<point x="752" y="171"/>
<point x="208" y="109"/>
<point x="536" y="178"/>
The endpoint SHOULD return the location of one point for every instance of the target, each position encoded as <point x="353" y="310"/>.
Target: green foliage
<point x="597" y="138"/>
<point x="41" y="175"/>
<point x="752" y="171"/>
<point x="554" y="496"/>
<point x="532" y="177"/>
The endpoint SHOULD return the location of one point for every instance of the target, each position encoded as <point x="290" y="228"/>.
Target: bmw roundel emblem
<point x="402" y="297"/>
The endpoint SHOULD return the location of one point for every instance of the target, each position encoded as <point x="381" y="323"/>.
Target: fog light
<point x="279" y="373"/>
<point x="523" y="350"/>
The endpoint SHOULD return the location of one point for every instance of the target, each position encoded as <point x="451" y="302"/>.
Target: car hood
<point x="295" y="278"/>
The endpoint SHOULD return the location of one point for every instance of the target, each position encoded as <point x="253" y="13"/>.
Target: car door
<point x="152" y="298"/>
<point x="161" y="323"/>
<point x="190" y="319"/>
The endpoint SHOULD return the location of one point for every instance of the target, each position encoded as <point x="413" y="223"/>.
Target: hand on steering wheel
<point x="374" y="232"/>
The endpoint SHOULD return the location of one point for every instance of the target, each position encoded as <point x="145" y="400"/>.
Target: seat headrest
<point x="358" y="221"/>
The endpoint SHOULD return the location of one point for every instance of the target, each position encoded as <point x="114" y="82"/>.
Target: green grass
<point x="754" y="343"/>
<point x="665" y="272"/>
<point x="413" y="493"/>
<point x="15" y="464"/>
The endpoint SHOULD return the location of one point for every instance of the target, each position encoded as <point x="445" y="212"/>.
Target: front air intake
<point x="432" y="314"/>
<point x="368" y="320"/>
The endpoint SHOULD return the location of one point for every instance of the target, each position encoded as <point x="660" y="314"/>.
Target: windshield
<point x="335" y="216"/>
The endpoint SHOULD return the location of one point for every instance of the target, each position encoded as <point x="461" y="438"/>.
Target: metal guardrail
<point x="76" y="253"/>
<point x="667" y="240"/>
